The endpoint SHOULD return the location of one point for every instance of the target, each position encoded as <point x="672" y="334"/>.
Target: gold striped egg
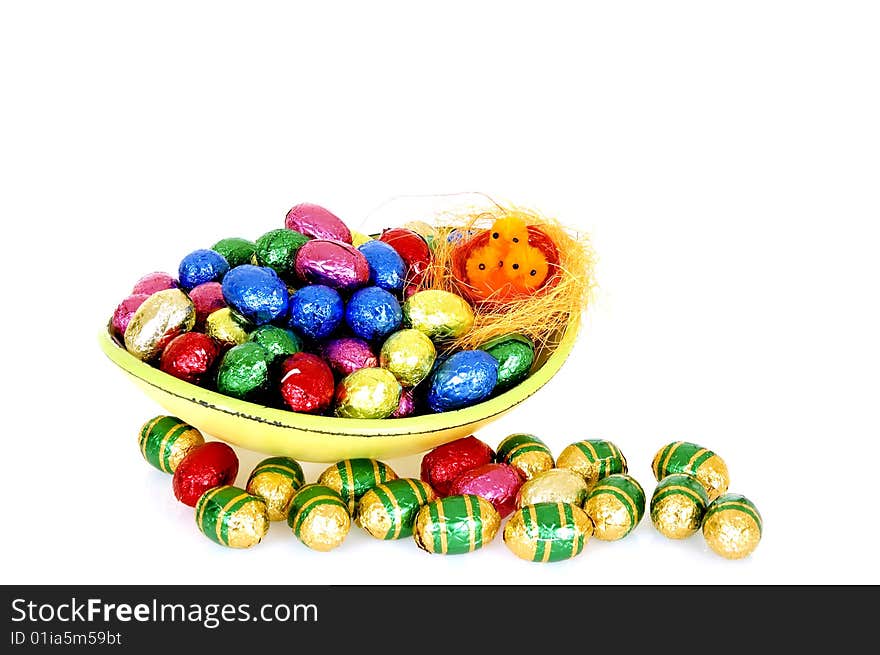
<point x="615" y="504"/>
<point x="548" y="532"/>
<point x="388" y="510"/>
<point x="232" y="517"/>
<point x="456" y="524"/>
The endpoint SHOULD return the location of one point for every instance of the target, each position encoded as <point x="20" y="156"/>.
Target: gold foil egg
<point x="227" y="328"/>
<point x="367" y="393"/>
<point x="732" y="526"/>
<point x="409" y="355"/>
<point x="159" y="319"/>
<point x="439" y="314"/>
<point x="553" y="486"/>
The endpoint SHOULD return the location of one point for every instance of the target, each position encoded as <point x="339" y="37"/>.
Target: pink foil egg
<point x="316" y="222"/>
<point x="335" y="264"/>
<point x="125" y="310"/>
<point x="153" y="282"/>
<point x="497" y="483"/>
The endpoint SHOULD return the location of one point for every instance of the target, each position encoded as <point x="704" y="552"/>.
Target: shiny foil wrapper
<point x="277" y="249"/>
<point x="592" y="459"/>
<point x="732" y="526"/>
<point x="227" y="328"/>
<point x="316" y="222"/>
<point x="333" y="263"/>
<point x="526" y="453"/>
<point x="359" y="238"/>
<point x="373" y="313"/>
<point x="692" y="459"/>
<point x="213" y="464"/>
<point x="553" y="486"/>
<point x="349" y="354"/>
<point x="497" y="483"/>
<point x="124" y="311"/>
<point x="677" y="506"/>
<point x="515" y="354"/>
<point x="548" y="532"/>
<point x="315" y="311"/>
<point x="232" y="517"/>
<point x="159" y="319"/>
<point x="319" y="517"/>
<point x="256" y="293"/>
<point x="439" y="314"/>
<point x="464" y="379"/>
<point x="200" y="266"/>
<point x="307" y="383"/>
<point x="352" y="478"/>
<point x="406" y="406"/>
<point x="207" y="298"/>
<point x="409" y="355"/>
<point x="367" y="393"/>
<point x="279" y="341"/>
<point x="276" y="480"/>
<point x="189" y="357"/>
<point x="412" y="248"/>
<point x="387" y="268"/>
<point x="245" y="371"/>
<point x="236" y="251"/>
<point x="153" y="282"/>
<point x="443" y="464"/>
<point x="165" y="440"/>
<point x="388" y="510"/>
<point x="615" y="504"/>
<point x="455" y="525"/>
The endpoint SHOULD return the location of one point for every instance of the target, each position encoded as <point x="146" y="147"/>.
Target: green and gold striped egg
<point x="275" y="480"/>
<point x="352" y="478"/>
<point x="526" y="453"/>
<point x="232" y="517"/>
<point x="691" y="459"/>
<point x="732" y="526"/>
<point x="677" y="506"/>
<point x="455" y="524"/>
<point x="548" y="532"/>
<point x="615" y="504"/>
<point x="593" y="459"/>
<point x="319" y="517"/>
<point x="388" y="510"/>
<point x="165" y="440"/>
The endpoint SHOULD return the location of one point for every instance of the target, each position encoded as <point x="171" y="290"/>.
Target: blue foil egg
<point x="255" y="292"/>
<point x="387" y="268"/>
<point x="201" y="266"/>
<point x="315" y="311"/>
<point x="373" y="313"/>
<point x="465" y="378"/>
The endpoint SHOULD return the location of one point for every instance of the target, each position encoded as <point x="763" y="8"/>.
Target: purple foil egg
<point x="153" y="282"/>
<point x="406" y="405"/>
<point x="333" y="263"/>
<point x="316" y="222"/>
<point x="125" y="310"/>
<point x="497" y="483"/>
<point x="207" y="297"/>
<point x="347" y="355"/>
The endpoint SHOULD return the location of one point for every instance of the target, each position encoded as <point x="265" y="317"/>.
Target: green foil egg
<point x="515" y="354"/>
<point x="279" y="341"/>
<point x="277" y="249"/>
<point x="236" y="251"/>
<point x="244" y="371"/>
<point x="368" y="393"/>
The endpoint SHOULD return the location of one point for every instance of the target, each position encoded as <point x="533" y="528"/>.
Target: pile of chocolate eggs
<point x="316" y="318"/>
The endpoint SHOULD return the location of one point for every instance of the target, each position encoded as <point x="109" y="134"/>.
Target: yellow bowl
<point x="325" y="438"/>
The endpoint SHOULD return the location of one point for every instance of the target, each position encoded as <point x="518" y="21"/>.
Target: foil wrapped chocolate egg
<point x="189" y="357"/>
<point x="315" y="311"/>
<point x="677" y="506"/>
<point x="387" y="268"/>
<point x="124" y="311"/>
<point x="413" y="249"/>
<point x="373" y="313"/>
<point x="153" y="282"/>
<point x="236" y="251"/>
<point x="409" y="355"/>
<point x="526" y="453"/>
<point x="316" y="222"/>
<point x="333" y="263"/>
<point x="691" y="459"/>
<point x="615" y="504"/>
<point x="255" y="293"/>
<point x="227" y="328"/>
<point x="439" y="314"/>
<point x="443" y="464"/>
<point x="279" y="341"/>
<point x="367" y="393"/>
<point x="277" y="249"/>
<point x="207" y="298"/>
<point x="232" y="517"/>
<point x="553" y="486"/>
<point x="515" y="354"/>
<point x="406" y="406"/>
<point x="213" y="464"/>
<point x="497" y="483"/>
<point x="307" y="384"/>
<point x="548" y="532"/>
<point x="276" y="480"/>
<point x="244" y="371"/>
<point x="348" y="354"/>
<point x="319" y="517"/>
<point x="592" y="459"/>
<point x="455" y="525"/>
<point x="388" y="510"/>
<point x="359" y="238"/>
<point x="165" y="440"/>
<point x="732" y="526"/>
<point x="159" y="319"/>
<point x="466" y="378"/>
<point x="352" y="478"/>
<point x="200" y="266"/>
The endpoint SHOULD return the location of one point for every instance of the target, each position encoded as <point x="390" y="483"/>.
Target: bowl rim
<point x="334" y="426"/>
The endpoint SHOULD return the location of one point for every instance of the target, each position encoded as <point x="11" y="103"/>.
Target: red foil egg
<point x="316" y="222"/>
<point x="445" y="463"/>
<point x="413" y="248"/>
<point x="497" y="483"/>
<point x="125" y="310"/>
<point x="189" y="356"/>
<point x="213" y="464"/>
<point x="336" y="264"/>
<point x="307" y="383"/>
<point x="153" y="282"/>
<point x="207" y="297"/>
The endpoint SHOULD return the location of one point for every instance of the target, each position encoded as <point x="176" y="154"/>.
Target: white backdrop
<point x="722" y="156"/>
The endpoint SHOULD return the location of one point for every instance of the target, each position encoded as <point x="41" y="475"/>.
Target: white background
<point x="722" y="156"/>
